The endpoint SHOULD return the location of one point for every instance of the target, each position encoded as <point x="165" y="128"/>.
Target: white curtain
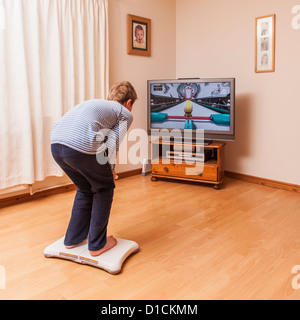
<point x="53" y="55"/>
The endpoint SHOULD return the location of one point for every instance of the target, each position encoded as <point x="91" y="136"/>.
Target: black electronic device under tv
<point x="191" y="104"/>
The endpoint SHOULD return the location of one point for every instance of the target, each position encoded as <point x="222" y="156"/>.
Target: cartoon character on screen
<point x="188" y="109"/>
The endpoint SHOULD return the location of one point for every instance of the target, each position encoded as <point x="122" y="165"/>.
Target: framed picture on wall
<point x="265" y="43"/>
<point x="138" y="35"/>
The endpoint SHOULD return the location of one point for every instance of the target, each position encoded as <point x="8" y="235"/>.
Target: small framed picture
<point x="265" y="44"/>
<point x="138" y="35"/>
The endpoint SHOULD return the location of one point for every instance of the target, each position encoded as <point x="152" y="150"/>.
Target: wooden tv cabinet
<point x="163" y="167"/>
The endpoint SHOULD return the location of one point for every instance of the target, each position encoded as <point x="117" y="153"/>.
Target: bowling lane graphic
<point x="170" y="118"/>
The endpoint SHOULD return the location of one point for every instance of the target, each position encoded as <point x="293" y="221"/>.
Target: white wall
<point x="217" y="39"/>
<point x="138" y="69"/>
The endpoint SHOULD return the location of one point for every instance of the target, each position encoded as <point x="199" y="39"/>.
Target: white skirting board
<point x="110" y="261"/>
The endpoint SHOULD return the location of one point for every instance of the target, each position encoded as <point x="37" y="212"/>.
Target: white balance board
<point x="110" y="261"/>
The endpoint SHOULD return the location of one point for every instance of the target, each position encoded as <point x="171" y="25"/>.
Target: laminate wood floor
<point x="240" y="242"/>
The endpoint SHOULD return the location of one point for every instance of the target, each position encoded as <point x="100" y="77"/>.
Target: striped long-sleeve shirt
<point x="92" y="127"/>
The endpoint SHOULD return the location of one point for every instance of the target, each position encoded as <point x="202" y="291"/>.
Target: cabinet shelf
<point x="210" y="171"/>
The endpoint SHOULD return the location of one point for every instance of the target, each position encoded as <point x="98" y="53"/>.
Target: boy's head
<point x="122" y="92"/>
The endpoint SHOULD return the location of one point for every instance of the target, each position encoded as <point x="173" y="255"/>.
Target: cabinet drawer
<point x="186" y="171"/>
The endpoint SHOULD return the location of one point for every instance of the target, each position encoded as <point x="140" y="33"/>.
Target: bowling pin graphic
<point x="188" y="108"/>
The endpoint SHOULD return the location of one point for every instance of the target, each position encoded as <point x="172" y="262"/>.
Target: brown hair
<point x="122" y="92"/>
<point x="138" y="27"/>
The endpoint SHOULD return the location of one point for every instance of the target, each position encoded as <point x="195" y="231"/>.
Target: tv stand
<point x="210" y="171"/>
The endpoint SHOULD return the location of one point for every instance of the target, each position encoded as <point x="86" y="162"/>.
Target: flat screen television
<point x="191" y="104"/>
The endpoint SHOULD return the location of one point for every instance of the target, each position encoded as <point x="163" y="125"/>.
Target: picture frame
<point x="265" y="43"/>
<point x="138" y="35"/>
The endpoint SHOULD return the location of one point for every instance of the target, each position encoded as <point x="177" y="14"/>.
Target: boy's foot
<point x="111" y="242"/>
<point x="71" y="247"/>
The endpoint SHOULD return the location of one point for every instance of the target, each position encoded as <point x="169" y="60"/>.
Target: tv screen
<point x="191" y="104"/>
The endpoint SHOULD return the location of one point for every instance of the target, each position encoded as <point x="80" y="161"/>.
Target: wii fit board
<point x="110" y="261"/>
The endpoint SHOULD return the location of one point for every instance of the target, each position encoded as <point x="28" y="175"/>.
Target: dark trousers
<point x="93" y="200"/>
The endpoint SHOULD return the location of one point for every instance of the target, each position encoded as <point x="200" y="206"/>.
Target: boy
<point x="139" y="41"/>
<point x="77" y="145"/>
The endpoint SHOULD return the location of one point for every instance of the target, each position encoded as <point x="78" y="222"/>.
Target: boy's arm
<point x="115" y="137"/>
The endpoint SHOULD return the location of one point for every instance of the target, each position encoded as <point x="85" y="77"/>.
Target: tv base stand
<point x="211" y="171"/>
